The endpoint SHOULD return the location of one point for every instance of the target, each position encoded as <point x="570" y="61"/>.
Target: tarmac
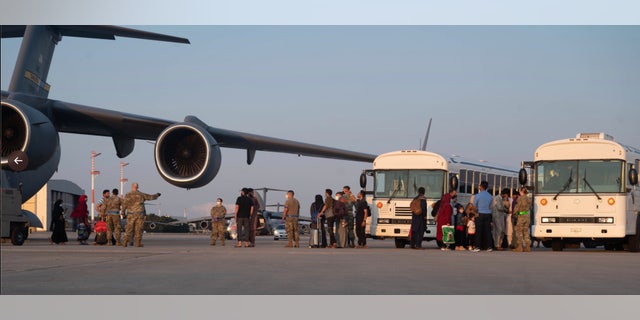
<point x="185" y="264"/>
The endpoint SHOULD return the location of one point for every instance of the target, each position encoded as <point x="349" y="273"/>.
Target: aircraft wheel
<point x="557" y="245"/>
<point x="18" y="235"/>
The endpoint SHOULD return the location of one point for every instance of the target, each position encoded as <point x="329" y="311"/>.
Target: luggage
<point x="101" y="238"/>
<point x="83" y="232"/>
<point x="314" y="237"/>
<point x="448" y="234"/>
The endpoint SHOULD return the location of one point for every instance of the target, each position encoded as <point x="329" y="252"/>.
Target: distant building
<point x="40" y="204"/>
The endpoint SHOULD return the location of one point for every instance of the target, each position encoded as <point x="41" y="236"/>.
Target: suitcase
<point x="314" y="236"/>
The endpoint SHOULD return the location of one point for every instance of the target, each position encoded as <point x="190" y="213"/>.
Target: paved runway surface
<point x="185" y="264"/>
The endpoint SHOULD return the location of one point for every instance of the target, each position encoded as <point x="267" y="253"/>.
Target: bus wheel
<point x="557" y="245"/>
<point x="400" y="243"/>
<point x="17" y="235"/>
<point x="634" y="241"/>
<point x="546" y="243"/>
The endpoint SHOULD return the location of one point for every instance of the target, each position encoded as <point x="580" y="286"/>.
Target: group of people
<point x="245" y="215"/>
<point x="483" y="224"/>
<point x="111" y="210"/>
<point x="332" y="216"/>
<point x="341" y="218"/>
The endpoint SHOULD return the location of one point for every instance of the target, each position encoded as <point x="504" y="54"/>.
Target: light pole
<point x="122" y="179"/>
<point x="94" y="173"/>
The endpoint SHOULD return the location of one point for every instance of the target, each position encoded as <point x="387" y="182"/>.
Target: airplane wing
<point x="187" y="153"/>
<point x="74" y="118"/>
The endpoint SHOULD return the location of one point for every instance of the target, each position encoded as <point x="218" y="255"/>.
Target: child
<point x="461" y="225"/>
<point x="471" y="227"/>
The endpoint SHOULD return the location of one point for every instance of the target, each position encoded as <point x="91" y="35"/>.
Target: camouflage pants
<point x="217" y="230"/>
<point x="113" y="224"/>
<point x="522" y="231"/>
<point x="291" y="225"/>
<point x="135" y="224"/>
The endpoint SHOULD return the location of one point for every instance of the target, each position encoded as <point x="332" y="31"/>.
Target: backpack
<point x="436" y="207"/>
<point x="415" y="206"/>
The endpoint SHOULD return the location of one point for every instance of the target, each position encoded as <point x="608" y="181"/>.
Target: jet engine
<point x="28" y="130"/>
<point x="186" y="154"/>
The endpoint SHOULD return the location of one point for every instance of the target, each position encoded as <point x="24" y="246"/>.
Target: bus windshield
<point x="405" y="183"/>
<point x="579" y="176"/>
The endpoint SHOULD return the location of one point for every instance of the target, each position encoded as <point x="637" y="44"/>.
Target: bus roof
<point x="586" y="146"/>
<point x="410" y="159"/>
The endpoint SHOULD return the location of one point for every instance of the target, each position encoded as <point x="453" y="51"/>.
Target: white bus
<point x="398" y="175"/>
<point x="585" y="191"/>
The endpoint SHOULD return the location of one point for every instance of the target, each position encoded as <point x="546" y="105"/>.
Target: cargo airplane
<point x="187" y="154"/>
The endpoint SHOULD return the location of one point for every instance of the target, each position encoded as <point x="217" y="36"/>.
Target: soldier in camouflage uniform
<point x="134" y="208"/>
<point x="349" y="218"/>
<point x="113" y="217"/>
<point x="217" y="222"/>
<point x="290" y="216"/>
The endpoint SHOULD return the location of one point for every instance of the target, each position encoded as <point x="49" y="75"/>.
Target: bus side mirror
<point x="363" y="181"/>
<point x="453" y="182"/>
<point x="522" y="177"/>
<point x="633" y="176"/>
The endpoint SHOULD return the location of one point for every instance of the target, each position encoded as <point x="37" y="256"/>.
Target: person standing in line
<point x="317" y="221"/>
<point x="290" y="215"/>
<point x="253" y="220"/>
<point x="471" y="227"/>
<point x="445" y="211"/>
<point x="218" y="212"/>
<point x="102" y="204"/>
<point x="79" y="213"/>
<point x="114" y="205"/>
<point x="243" y="212"/>
<point x="327" y="214"/>
<point x="133" y="207"/>
<point x="524" y="220"/>
<point x="499" y="214"/>
<point x="418" y="221"/>
<point x="58" y="233"/>
<point x="349" y="218"/>
<point x="460" y="224"/>
<point x="514" y="217"/>
<point x="483" y="201"/>
<point x="362" y="212"/>
<point x="339" y="211"/>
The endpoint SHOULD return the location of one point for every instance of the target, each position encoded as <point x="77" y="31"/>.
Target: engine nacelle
<point x="28" y="130"/>
<point x="187" y="156"/>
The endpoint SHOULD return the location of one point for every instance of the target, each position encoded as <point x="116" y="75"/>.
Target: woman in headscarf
<point x="80" y="216"/>
<point x="80" y="212"/>
<point x="444" y="217"/>
<point x="58" y="234"/>
<point x="316" y="207"/>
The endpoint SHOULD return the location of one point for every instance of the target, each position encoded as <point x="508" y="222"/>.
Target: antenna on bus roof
<point x="426" y="137"/>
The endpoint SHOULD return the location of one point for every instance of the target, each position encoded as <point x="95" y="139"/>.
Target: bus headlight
<point x="384" y="221"/>
<point x="549" y="220"/>
<point x="544" y="201"/>
<point x="611" y="201"/>
<point x="605" y="220"/>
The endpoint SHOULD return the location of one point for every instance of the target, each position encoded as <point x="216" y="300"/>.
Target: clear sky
<point x="494" y="92"/>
